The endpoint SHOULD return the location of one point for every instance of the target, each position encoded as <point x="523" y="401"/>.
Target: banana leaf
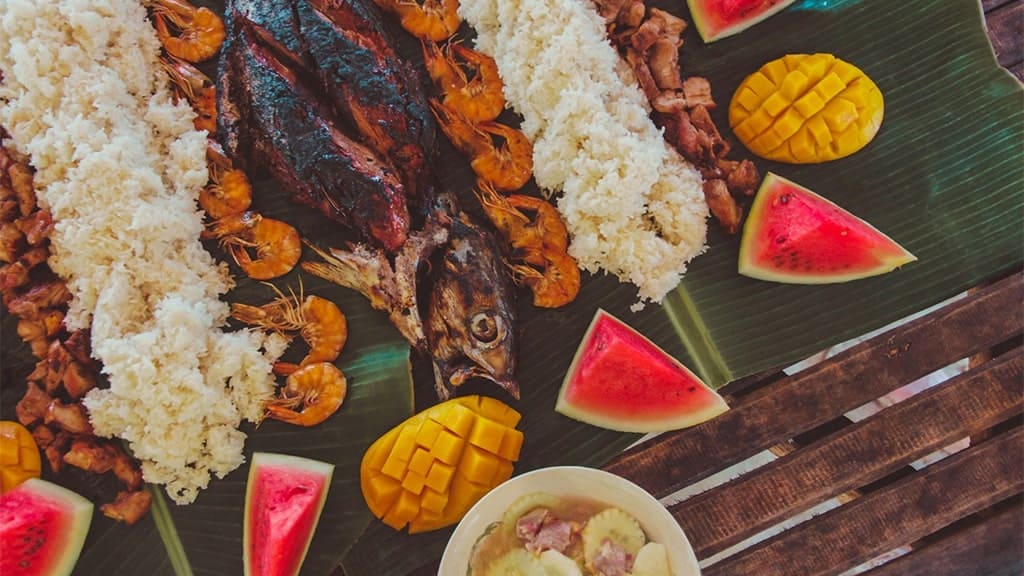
<point x="943" y="178"/>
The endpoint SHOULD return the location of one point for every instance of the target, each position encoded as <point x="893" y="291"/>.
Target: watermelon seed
<point x="784" y="199"/>
<point x="780" y="240"/>
<point x="24" y="564"/>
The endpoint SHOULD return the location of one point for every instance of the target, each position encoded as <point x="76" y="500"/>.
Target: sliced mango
<point x="19" y="455"/>
<point x="806" y="108"/>
<point x="429" y="470"/>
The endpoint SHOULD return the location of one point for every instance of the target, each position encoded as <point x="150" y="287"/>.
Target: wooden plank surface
<point x="993" y="546"/>
<point x="1006" y="29"/>
<point x="902" y="512"/>
<point x="855" y="456"/>
<point x="820" y="393"/>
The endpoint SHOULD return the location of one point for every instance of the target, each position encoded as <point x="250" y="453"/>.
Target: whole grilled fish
<point x="467" y="329"/>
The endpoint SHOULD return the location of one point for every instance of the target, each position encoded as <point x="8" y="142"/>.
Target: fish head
<point x="471" y="317"/>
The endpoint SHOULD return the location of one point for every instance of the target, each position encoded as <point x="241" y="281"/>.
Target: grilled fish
<point x="470" y="318"/>
<point x="343" y="54"/>
<point x="467" y="327"/>
<point x="291" y="129"/>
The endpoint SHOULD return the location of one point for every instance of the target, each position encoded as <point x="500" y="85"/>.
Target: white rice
<point x="120" y="167"/>
<point x="633" y="206"/>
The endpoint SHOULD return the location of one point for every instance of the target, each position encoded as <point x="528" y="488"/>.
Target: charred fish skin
<point x="377" y="92"/>
<point x="471" y="315"/>
<point x="320" y="166"/>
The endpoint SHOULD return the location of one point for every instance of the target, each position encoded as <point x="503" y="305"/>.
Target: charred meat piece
<point x="78" y="380"/>
<point x="306" y="152"/>
<point x="33" y="406"/>
<point x="90" y="454"/>
<point x="128" y="507"/>
<point x="71" y="418"/>
<point x="36" y="226"/>
<point x="471" y="316"/>
<point x="33" y="302"/>
<point x="55" y="451"/>
<point x="21" y="183"/>
<point x="12" y="242"/>
<point x="126" y="469"/>
<point x="723" y="205"/>
<point x="16" y="274"/>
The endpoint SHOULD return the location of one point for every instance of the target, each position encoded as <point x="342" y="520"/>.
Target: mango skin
<point x="428" y="471"/>
<point x="805" y="109"/>
<point x="19" y="455"/>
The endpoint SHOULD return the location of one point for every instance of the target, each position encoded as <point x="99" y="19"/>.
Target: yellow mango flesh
<point x="806" y="108"/>
<point x="429" y="470"/>
<point x="19" y="455"/>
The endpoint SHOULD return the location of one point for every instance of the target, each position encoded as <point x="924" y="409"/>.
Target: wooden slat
<point x="822" y="392"/>
<point x="989" y="5"/>
<point x="900" y="513"/>
<point x="855" y="456"/>
<point x="1005" y="30"/>
<point x="994" y="547"/>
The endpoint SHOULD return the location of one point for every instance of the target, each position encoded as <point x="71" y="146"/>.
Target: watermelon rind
<point x="678" y="421"/>
<point x="897" y="255"/>
<point x="286" y="461"/>
<point x="80" y="511"/>
<point x="702" y="20"/>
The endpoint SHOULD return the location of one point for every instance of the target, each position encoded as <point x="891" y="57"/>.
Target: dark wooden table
<point x="960" y="516"/>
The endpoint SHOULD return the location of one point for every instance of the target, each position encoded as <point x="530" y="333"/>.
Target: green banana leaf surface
<point x="943" y="177"/>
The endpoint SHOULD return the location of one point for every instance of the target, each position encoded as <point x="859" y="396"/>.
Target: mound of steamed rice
<point x="633" y="206"/>
<point x="120" y="167"/>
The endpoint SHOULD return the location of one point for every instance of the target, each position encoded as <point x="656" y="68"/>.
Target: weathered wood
<point x="900" y="513"/>
<point x="1006" y="30"/>
<point x="822" y="392"/>
<point x="990" y="5"/>
<point x="993" y="547"/>
<point x="855" y="456"/>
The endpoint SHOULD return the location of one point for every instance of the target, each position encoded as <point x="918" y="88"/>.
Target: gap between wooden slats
<point x="853" y="457"/>
<point x="905" y="510"/>
<point x="993" y="545"/>
<point x="824" y="391"/>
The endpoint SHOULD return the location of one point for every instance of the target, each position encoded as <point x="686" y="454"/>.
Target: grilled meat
<point x="314" y="90"/>
<point x="470" y="318"/>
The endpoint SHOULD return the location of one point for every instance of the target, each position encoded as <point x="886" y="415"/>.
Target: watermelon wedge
<point x="620" y="380"/>
<point x="283" y="500"/>
<point x="716" y="19"/>
<point x="42" y="529"/>
<point x="795" y="236"/>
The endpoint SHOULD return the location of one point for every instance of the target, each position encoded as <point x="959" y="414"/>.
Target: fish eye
<point x="486" y="328"/>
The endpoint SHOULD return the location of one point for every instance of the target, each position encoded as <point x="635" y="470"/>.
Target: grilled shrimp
<point x="556" y="284"/>
<point x="229" y="191"/>
<point x="200" y="32"/>
<point x="506" y="166"/>
<point x="276" y="243"/>
<point x="317" y="390"/>
<point x="277" y="246"/>
<point x="478" y="94"/>
<point x="319" y="321"/>
<point x="433" y="20"/>
<point x="191" y="84"/>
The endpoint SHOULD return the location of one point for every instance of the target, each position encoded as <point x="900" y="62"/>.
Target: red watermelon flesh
<point x="283" y="500"/>
<point x="716" y="19"/>
<point x="620" y="380"/>
<point x="793" y="235"/>
<point x="42" y="529"/>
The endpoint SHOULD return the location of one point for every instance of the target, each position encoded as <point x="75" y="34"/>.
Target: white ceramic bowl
<point x="575" y="481"/>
